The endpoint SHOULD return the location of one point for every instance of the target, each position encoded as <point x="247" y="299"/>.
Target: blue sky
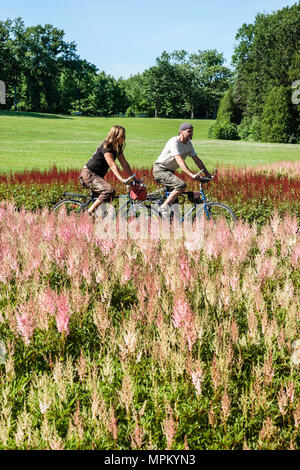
<point x="125" y="37"/>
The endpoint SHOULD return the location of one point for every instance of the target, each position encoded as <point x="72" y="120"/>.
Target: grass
<point x="35" y="140"/>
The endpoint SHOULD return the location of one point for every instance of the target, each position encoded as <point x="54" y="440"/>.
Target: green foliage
<point x="276" y="117"/>
<point x="44" y="73"/>
<point x="121" y="374"/>
<point x="224" y="130"/>
<point x="266" y="57"/>
<point x="228" y="110"/>
<point x="36" y="196"/>
<point x="250" y="128"/>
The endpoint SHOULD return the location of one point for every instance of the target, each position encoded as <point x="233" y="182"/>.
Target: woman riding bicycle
<point x="104" y="158"/>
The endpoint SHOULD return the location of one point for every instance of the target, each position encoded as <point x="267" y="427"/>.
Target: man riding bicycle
<point x="173" y="156"/>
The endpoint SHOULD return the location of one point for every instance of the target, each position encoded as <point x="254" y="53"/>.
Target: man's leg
<point x="168" y="178"/>
<point x="172" y="196"/>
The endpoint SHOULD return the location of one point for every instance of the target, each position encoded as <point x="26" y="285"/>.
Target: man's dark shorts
<point x="168" y="178"/>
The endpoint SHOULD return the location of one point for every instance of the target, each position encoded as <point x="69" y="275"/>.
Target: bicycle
<point x="79" y="203"/>
<point x="212" y="211"/>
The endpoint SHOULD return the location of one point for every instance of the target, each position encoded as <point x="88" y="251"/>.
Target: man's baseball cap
<point x="185" y="126"/>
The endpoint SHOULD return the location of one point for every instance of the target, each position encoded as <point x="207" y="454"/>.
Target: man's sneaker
<point x="164" y="211"/>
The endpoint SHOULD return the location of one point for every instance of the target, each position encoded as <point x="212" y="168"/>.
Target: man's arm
<point x="183" y="165"/>
<point x="200" y="165"/>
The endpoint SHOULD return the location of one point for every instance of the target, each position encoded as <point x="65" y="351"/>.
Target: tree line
<point x="44" y="73"/>
<point x="263" y="102"/>
<point x="251" y="100"/>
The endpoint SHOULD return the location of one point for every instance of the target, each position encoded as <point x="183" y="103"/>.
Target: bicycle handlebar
<point x="128" y="179"/>
<point x="132" y="183"/>
<point x="205" y="179"/>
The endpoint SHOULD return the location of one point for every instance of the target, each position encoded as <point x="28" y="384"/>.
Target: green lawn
<point x="32" y="140"/>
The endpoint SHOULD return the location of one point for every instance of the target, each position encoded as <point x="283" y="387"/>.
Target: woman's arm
<point x="125" y="164"/>
<point x="112" y="164"/>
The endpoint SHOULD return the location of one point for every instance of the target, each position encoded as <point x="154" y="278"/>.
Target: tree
<point x="162" y="88"/>
<point x="11" y="58"/>
<point x="228" y="110"/>
<point x="77" y="81"/>
<point x="182" y="84"/>
<point x="45" y="56"/>
<point x="212" y="77"/>
<point x="134" y="88"/>
<point x="276" y="125"/>
<point x="107" y="96"/>
<point x="192" y="94"/>
<point x="265" y="57"/>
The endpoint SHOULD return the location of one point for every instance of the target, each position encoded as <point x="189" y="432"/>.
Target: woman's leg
<point x="99" y="186"/>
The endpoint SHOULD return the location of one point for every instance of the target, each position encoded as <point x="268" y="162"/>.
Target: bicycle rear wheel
<point x="213" y="212"/>
<point x="68" y="206"/>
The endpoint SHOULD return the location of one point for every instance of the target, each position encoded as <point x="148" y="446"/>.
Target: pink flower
<point x="25" y="323"/>
<point x="266" y="268"/>
<point x="197" y="379"/>
<point x="295" y="255"/>
<point x="182" y="312"/>
<point x="47" y="301"/>
<point x="126" y="275"/>
<point x="266" y="239"/>
<point x="170" y="429"/>
<point x="63" y="314"/>
<point x="183" y="317"/>
<point x="185" y="271"/>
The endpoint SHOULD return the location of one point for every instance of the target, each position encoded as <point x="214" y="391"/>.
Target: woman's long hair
<point x="112" y="139"/>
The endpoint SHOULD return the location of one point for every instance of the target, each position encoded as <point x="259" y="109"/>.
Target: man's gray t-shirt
<point x="172" y="148"/>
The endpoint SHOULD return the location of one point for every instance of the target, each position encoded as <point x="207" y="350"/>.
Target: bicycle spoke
<point x="216" y="212"/>
<point x="68" y="207"/>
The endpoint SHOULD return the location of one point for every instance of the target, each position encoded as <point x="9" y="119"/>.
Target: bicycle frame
<point x="90" y="199"/>
<point x="203" y="200"/>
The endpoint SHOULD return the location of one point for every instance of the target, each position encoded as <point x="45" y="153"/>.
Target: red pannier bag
<point x="138" y="192"/>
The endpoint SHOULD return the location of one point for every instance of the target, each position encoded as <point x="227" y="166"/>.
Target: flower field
<point x="150" y="344"/>
<point x="252" y="193"/>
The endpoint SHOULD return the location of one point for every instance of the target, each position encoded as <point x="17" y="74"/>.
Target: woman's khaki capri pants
<point x="98" y="185"/>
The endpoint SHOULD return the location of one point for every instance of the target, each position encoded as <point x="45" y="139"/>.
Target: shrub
<point x="224" y="130"/>
<point x="228" y="110"/>
<point x="250" y="128"/>
<point x="244" y="128"/>
<point x="276" y="119"/>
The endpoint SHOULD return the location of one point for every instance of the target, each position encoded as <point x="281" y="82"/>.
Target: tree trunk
<point x="215" y="111"/>
<point x="15" y="98"/>
<point x="2" y="92"/>
<point x="155" y="112"/>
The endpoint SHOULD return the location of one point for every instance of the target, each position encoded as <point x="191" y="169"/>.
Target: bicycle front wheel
<point x="68" y="206"/>
<point x="213" y="212"/>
